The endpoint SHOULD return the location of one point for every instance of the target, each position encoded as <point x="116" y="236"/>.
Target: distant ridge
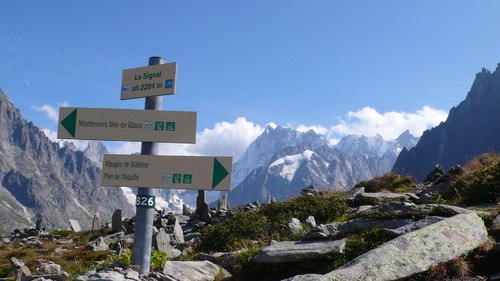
<point x="472" y="128"/>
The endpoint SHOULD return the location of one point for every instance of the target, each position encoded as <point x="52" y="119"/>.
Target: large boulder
<point x="291" y="251"/>
<point x="416" y="251"/>
<point x="191" y="270"/>
<point x="412" y="253"/>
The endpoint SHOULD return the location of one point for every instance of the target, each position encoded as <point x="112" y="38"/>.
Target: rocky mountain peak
<point x="38" y="177"/>
<point x="95" y="151"/>
<point x="471" y="129"/>
<point x="273" y="139"/>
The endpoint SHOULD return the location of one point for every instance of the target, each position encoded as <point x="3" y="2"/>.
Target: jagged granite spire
<point x="39" y="177"/>
<point x="472" y="128"/>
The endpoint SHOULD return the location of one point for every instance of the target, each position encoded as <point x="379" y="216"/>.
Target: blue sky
<point x="341" y="67"/>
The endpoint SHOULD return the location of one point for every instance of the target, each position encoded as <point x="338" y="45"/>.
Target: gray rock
<point x="323" y="231"/>
<point x="39" y="223"/>
<point x="48" y="268"/>
<point x="183" y="219"/>
<point x="379" y="198"/>
<point x="22" y="272"/>
<point x="186" y="210"/>
<point x="495" y="277"/>
<point x="355" y="191"/>
<point x="496" y="223"/>
<point x="358" y="224"/>
<point x="311" y="222"/>
<point x="131" y="274"/>
<point x="311" y="190"/>
<point x="102" y="243"/>
<point x="61" y="250"/>
<point x="178" y="234"/>
<point x="162" y="242"/>
<point x="202" y="207"/>
<point x="96" y="222"/>
<point x="16" y="263"/>
<point x="331" y="230"/>
<point x="191" y="270"/>
<point x="292" y="251"/>
<point x="423" y="209"/>
<point x="108" y="275"/>
<point x="413" y="226"/>
<point x="295" y="226"/>
<point x="308" y="277"/>
<point x="222" y="203"/>
<point x="75" y="225"/>
<point x="56" y="277"/>
<point x="116" y="221"/>
<point x="415" y="252"/>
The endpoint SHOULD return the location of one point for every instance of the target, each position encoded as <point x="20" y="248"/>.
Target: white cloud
<point x="318" y="129"/>
<point x="124" y="147"/>
<point x="389" y="125"/>
<point x="225" y="139"/>
<point x="232" y="139"/>
<point x="52" y="135"/>
<point x="50" y="111"/>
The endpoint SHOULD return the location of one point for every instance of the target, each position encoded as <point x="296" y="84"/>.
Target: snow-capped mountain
<point x="356" y="145"/>
<point x="294" y="167"/>
<point x="272" y="140"/>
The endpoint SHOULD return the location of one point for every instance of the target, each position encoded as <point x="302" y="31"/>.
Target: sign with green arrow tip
<point x="159" y="171"/>
<point x="127" y="125"/>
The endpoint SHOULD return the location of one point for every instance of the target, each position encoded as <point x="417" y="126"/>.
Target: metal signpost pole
<point x="144" y="216"/>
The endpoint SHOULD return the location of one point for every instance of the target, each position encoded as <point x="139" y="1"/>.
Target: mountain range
<point x="281" y="172"/>
<point x="54" y="179"/>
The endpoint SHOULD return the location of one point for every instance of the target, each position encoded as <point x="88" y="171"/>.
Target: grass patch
<point x="479" y="184"/>
<point x="389" y="182"/>
<point x="270" y="221"/>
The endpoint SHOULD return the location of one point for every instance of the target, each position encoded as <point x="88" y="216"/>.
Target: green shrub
<point x="158" y="260"/>
<point x="324" y="208"/>
<point x="480" y="183"/>
<point x="366" y="240"/>
<point x="244" y="225"/>
<point x="390" y="182"/>
<point x="62" y="232"/>
<point x="270" y="221"/>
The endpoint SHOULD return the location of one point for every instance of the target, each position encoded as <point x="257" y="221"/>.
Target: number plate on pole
<point x="145" y="201"/>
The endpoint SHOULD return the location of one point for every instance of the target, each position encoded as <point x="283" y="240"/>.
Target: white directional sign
<point x="149" y="81"/>
<point x="127" y="125"/>
<point x="178" y="172"/>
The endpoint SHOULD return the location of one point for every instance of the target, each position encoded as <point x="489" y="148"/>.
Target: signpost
<point x="177" y="172"/>
<point x="150" y="126"/>
<point x="149" y="81"/>
<point x="127" y="125"/>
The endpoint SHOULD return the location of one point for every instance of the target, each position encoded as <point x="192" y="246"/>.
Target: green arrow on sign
<point x="219" y="173"/>
<point x="69" y="123"/>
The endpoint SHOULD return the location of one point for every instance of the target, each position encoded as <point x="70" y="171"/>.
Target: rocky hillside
<point x="39" y="177"/>
<point x="472" y="128"/>
<point x="360" y="235"/>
